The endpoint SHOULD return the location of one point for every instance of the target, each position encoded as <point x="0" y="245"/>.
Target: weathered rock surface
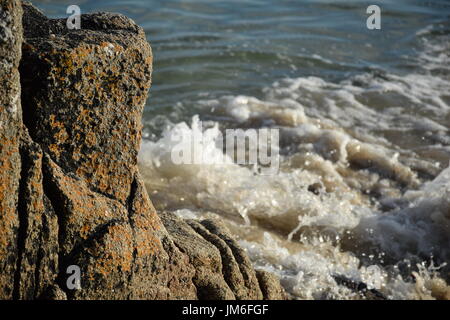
<point x="222" y="269"/>
<point x="89" y="89"/>
<point x="38" y="233"/>
<point x="270" y="286"/>
<point x="10" y="127"/>
<point x="83" y="96"/>
<point x="71" y="193"/>
<point x="203" y="255"/>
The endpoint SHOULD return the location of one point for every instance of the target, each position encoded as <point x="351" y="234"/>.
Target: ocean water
<point x="363" y="190"/>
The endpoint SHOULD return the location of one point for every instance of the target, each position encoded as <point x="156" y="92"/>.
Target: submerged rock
<point x="71" y="191"/>
<point x="360" y="288"/>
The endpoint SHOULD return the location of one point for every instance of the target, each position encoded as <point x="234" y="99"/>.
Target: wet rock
<point x="315" y="188"/>
<point x="203" y="255"/>
<point x="222" y="269"/>
<point x="270" y="286"/>
<point x="10" y="128"/>
<point x="360" y="288"/>
<point x="240" y="273"/>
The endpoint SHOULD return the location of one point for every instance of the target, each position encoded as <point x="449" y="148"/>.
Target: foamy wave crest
<point x="362" y="192"/>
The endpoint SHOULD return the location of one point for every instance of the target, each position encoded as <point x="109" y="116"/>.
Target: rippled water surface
<point x="363" y="192"/>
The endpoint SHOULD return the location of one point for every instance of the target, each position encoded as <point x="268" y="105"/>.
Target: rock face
<point x="70" y="191"/>
<point x="89" y="89"/>
<point x="10" y="127"/>
<point x="222" y="269"/>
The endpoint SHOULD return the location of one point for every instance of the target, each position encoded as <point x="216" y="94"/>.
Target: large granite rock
<point x="83" y="97"/>
<point x="10" y="127"/>
<point x="89" y="88"/>
<point x="72" y="191"/>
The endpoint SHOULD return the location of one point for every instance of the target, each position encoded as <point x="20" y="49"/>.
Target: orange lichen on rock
<point x="84" y="210"/>
<point x="114" y="251"/>
<point x="10" y="130"/>
<point x="90" y="90"/>
<point x="8" y="197"/>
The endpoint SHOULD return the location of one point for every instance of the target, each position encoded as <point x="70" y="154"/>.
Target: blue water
<point x="240" y="46"/>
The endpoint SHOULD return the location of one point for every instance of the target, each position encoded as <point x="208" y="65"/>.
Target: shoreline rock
<point x="10" y="130"/>
<point x="73" y="194"/>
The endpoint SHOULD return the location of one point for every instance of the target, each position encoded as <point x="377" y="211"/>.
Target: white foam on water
<point x="362" y="187"/>
<point x="283" y="204"/>
<point x="310" y="273"/>
<point x="420" y="226"/>
<point x="239" y="191"/>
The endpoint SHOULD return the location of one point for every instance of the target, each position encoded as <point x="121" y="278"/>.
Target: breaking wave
<point x="363" y="188"/>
